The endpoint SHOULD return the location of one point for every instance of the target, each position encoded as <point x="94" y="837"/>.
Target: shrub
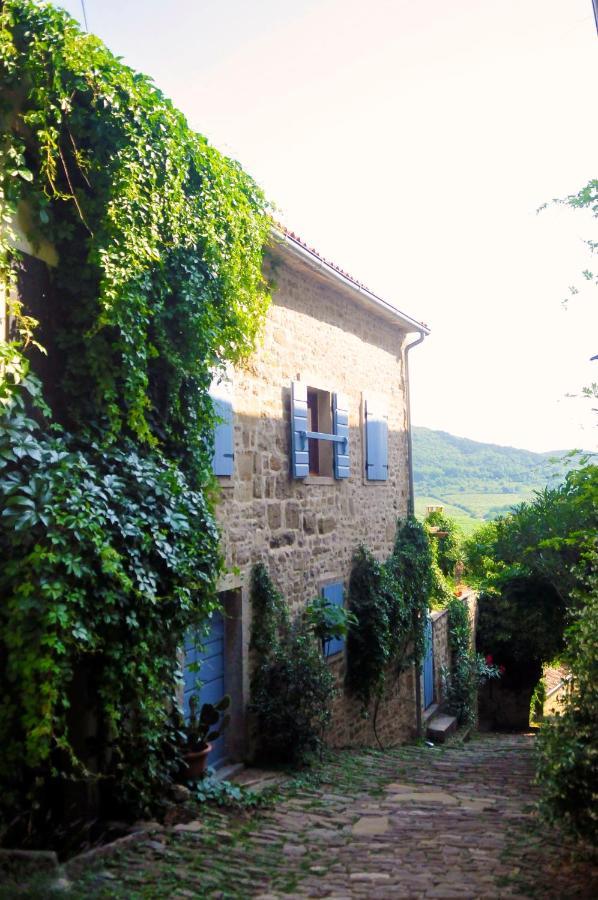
<point x="447" y="552"/>
<point x="390" y="602"/>
<point x="468" y="669"/>
<point x="292" y="687"/>
<point x="567" y="745"/>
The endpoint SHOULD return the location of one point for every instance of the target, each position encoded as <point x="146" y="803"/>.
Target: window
<point x="319" y="433"/>
<point x="376" y="438"/>
<point x="224" y="455"/>
<point x="319" y="419"/>
<point x="335" y="595"/>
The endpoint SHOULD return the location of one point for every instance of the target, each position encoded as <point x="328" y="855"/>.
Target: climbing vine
<point x="468" y="669"/>
<point x="108" y="545"/>
<point x="390" y="602"/>
<point x="292" y="688"/>
<point x="159" y="238"/>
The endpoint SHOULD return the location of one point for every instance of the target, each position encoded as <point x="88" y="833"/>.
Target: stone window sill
<point x="319" y="479"/>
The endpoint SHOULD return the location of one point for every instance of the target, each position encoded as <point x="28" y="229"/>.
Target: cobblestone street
<point x="410" y="823"/>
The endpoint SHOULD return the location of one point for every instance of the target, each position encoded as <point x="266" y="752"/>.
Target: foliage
<point x="159" y="238"/>
<point x="446" y="547"/>
<point x="586" y="198"/>
<point x="567" y="745"/>
<point x="108" y="545"/>
<point x="468" y="669"/>
<point x="369" y="641"/>
<point x="521" y="625"/>
<point x="462" y="470"/>
<point x="529" y="566"/>
<point x="390" y="602"/>
<point x="108" y="558"/>
<point x="539" y="570"/>
<point x="410" y="564"/>
<point x="226" y="793"/>
<point x="327" y="620"/>
<point x="536" y="706"/>
<point x="208" y="726"/>
<point x="292" y="687"/>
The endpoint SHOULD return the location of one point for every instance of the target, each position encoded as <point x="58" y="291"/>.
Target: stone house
<point x="333" y="363"/>
<point x="313" y="458"/>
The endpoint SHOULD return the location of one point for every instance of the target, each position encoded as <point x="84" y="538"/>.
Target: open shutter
<point x="299" y="452"/>
<point x="223" y="458"/>
<point x="376" y="439"/>
<point x="334" y="593"/>
<point x="340" y="424"/>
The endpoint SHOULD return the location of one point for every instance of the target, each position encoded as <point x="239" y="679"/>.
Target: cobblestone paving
<point x="416" y="822"/>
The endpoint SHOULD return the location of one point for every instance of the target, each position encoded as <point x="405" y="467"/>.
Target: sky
<point x="412" y="143"/>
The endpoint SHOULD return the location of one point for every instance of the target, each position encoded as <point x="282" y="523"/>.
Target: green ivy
<point x="108" y="544"/>
<point x="108" y="558"/>
<point x="159" y="238"/>
<point x="292" y="688"/>
<point x="390" y="602"/>
<point x="468" y="669"/>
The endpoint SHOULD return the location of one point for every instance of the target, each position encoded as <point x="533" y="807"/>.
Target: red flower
<point x="502" y="670"/>
<point x="489" y="660"/>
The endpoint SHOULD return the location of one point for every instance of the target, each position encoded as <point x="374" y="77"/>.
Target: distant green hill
<point x="476" y="481"/>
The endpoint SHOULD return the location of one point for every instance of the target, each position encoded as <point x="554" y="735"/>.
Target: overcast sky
<point x="412" y="143"/>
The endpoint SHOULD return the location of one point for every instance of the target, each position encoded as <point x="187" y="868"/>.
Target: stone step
<point x="439" y="727"/>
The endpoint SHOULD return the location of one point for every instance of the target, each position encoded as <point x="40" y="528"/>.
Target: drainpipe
<point x="411" y="512"/>
<point x="411" y="500"/>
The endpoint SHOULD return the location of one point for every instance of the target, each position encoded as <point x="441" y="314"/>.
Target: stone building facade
<point x="326" y="337"/>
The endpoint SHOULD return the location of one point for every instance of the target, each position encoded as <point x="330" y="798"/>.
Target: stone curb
<point x="31" y="860"/>
<point x="74" y="867"/>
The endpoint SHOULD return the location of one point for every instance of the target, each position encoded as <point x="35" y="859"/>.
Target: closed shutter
<point x="299" y="451"/>
<point x="376" y="440"/>
<point x="334" y="593"/>
<point x="340" y="420"/>
<point x="223" y="458"/>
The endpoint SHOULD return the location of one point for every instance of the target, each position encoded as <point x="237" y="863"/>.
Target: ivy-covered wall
<point x="108" y="545"/>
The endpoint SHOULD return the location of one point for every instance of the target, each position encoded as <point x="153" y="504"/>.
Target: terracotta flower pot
<point x="197" y="763"/>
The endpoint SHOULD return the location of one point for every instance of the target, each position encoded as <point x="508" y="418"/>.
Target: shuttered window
<point x="319" y="432"/>
<point x="376" y="439"/>
<point x="335" y="595"/>
<point x="223" y="458"/>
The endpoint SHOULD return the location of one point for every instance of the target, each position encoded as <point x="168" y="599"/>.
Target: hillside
<point x="476" y="481"/>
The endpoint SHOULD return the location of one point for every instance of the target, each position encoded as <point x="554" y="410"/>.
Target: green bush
<point x="468" y="669"/>
<point x="390" y="602"/>
<point x="567" y="745"/>
<point x="447" y="552"/>
<point x="292" y="687"/>
<point x="108" y="557"/>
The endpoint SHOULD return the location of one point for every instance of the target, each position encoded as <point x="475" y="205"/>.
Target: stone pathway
<point x="415" y="822"/>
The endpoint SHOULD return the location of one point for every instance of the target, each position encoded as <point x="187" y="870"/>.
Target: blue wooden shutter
<point x="334" y="593"/>
<point x="223" y="458"/>
<point x="340" y="426"/>
<point x="376" y="440"/>
<point x="299" y="452"/>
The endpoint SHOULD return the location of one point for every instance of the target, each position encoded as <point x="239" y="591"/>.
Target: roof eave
<point x="359" y="293"/>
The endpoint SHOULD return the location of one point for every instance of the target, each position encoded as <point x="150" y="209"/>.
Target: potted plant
<point x="201" y="729"/>
<point x="328" y="621"/>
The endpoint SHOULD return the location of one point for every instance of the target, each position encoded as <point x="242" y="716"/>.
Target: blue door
<point x="208" y="681"/>
<point x="428" y="666"/>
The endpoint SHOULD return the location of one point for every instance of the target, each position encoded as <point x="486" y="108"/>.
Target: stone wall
<point x="442" y="653"/>
<point x="307" y="531"/>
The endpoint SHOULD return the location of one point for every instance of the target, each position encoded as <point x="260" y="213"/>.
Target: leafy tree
<point x="541" y="592"/>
